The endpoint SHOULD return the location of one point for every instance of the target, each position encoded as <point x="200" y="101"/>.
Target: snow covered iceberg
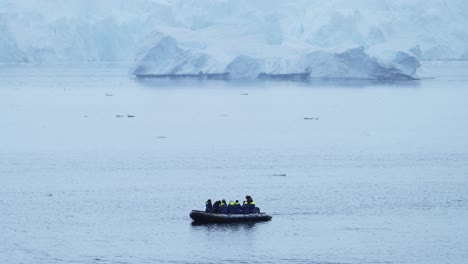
<point x="357" y="64"/>
<point x="166" y="57"/>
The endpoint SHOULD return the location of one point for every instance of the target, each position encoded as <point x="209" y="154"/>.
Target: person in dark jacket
<point x="208" y="206"/>
<point x="232" y="207"/>
<point x="238" y="207"/>
<point x="223" y="209"/>
<point x="216" y="207"/>
<point x="252" y="208"/>
<point x="245" y="208"/>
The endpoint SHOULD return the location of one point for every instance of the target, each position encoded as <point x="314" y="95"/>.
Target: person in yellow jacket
<point x="223" y="209"/>
<point x="238" y="207"/>
<point x="245" y="207"/>
<point x="252" y="207"/>
<point x="231" y="207"/>
<point x="251" y="203"/>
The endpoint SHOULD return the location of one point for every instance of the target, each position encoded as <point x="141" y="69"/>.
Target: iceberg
<point x="245" y="67"/>
<point x="406" y="63"/>
<point x="355" y="63"/>
<point x="167" y="58"/>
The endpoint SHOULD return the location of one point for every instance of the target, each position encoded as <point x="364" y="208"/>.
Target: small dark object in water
<point x="311" y="118"/>
<point x="49" y="194"/>
<point x="130" y="116"/>
<point x="244" y="94"/>
<point x="108" y="94"/>
<point x="160" y="137"/>
<point x="280" y="174"/>
<point x="202" y="217"/>
<point x="119" y="116"/>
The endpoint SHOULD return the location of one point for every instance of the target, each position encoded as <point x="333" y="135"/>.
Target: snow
<point x="245" y="67"/>
<point x="109" y="30"/>
<point x="406" y="63"/>
<point x="356" y="63"/>
<point x="167" y="57"/>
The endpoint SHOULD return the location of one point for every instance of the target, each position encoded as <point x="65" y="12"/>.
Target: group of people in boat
<point x="221" y="207"/>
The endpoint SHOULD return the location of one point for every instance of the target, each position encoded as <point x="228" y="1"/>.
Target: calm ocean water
<point x="97" y="167"/>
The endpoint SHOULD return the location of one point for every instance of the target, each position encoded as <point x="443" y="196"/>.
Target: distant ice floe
<point x="166" y="58"/>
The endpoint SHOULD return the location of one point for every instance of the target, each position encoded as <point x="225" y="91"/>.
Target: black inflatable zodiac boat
<point x="203" y="217"/>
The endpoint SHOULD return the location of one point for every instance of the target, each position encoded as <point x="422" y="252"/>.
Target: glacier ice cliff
<point x="113" y="30"/>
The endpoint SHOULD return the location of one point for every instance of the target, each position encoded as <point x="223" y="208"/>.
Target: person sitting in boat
<point x="223" y="209"/>
<point x="216" y="207"/>
<point x="232" y="207"/>
<point x="245" y="207"/>
<point x="251" y="205"/>
<point x="238" y="207"/>
<point x="208" y="206"/>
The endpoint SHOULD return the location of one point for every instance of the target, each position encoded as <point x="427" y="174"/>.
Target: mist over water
<point x="97" y="167"/>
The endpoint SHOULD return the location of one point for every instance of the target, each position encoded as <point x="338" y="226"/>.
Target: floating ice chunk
<point x="406" y="63"/>
<point x="416" y="51"/>
<point x="245" y="67"/>
<point x="357" y="64"/>
<point x="166" y="57"/>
